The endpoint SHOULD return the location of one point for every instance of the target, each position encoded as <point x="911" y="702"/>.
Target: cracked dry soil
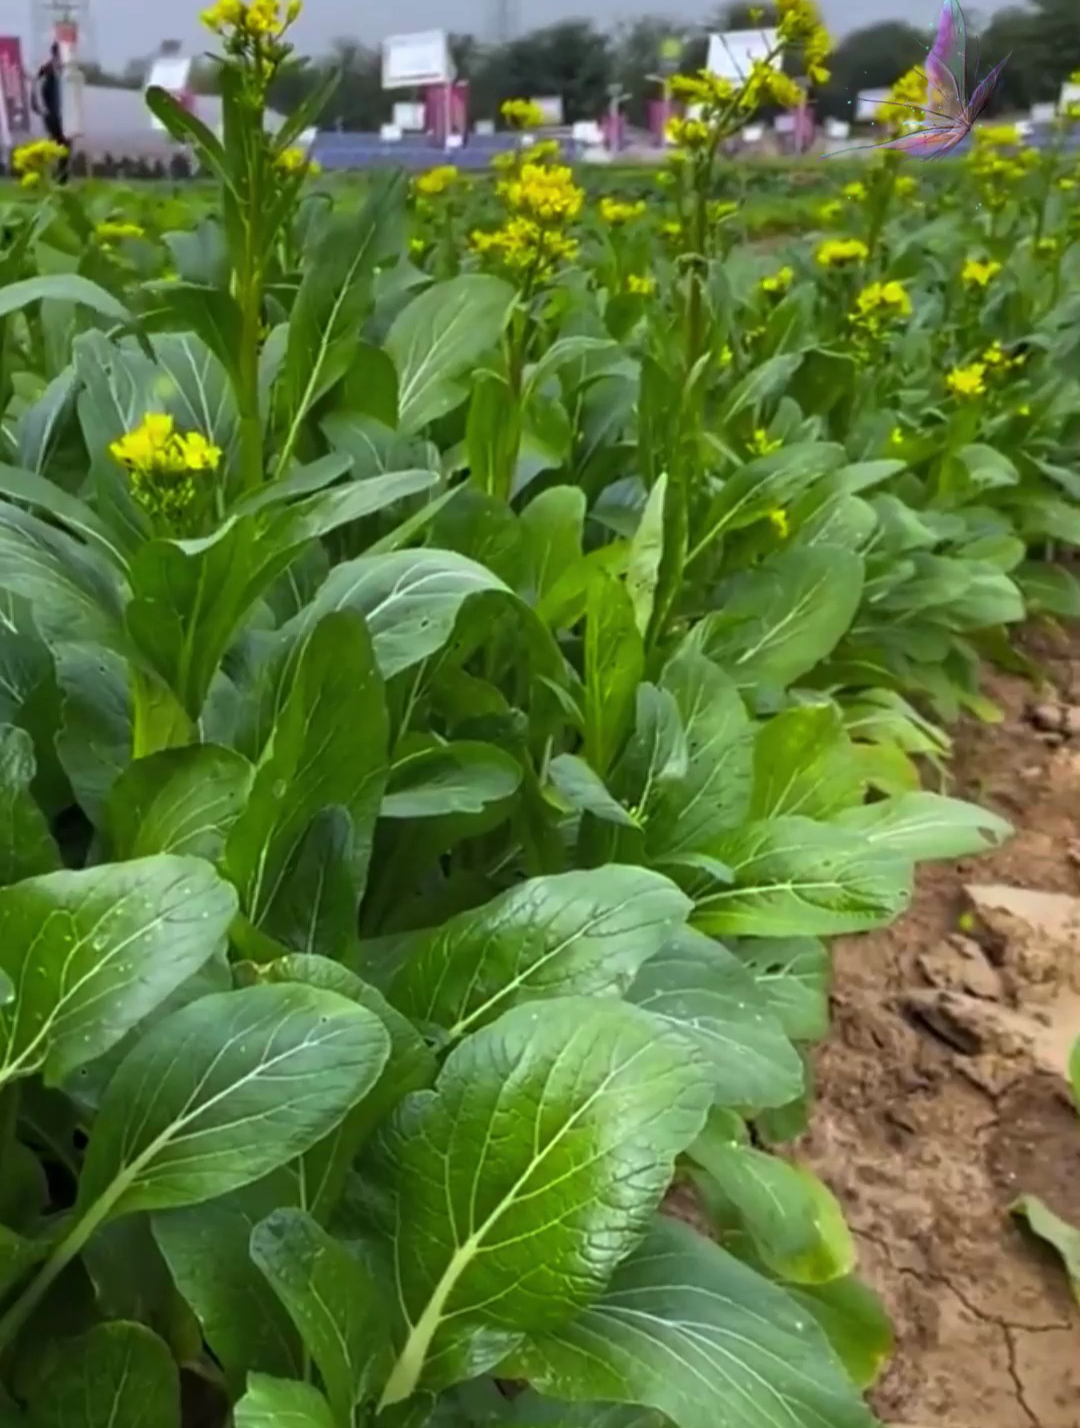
<point x="941" y="1094"/>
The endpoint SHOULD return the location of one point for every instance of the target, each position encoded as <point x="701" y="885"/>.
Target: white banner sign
<point x="173" y="74"/>
<point x="412" y="60"/>
<point x="732" y="56"/>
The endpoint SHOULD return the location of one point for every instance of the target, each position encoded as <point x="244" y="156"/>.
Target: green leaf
<point x="855" y="1322"/>
<point x="793" y="975"/>
<point x="26" y="845"/>
<point x="207" y="1250"/>
<point x="178" y="801"/>
<point x="792" y="1219"/>
<point x="1065" y="1238"/>
<point x="585" y="791"/>
<point x="62" y="287"/>
<point x="551" y="529"/>
<point x="1049" y="588"/>
<point x="223" y="1092"/>
<point x="327" y="751"/>
<point x="794" y="877"/>
<point x="614" y="667"/>
<point x="74" y="595"/>
<point x="774" y="623"/>
<point x="333" y="1299"/>
<point x="521" y="1182"/>
<point x="764" y="484"/>
<point x="94" y="741"/>
<point x="646" y="552"/>
<point x="439" y="337"/>
<point x="688" y="1330"/>
<point x="112" y="1376"/>
<point x="804" y="764"/>
<point x="194" y="384"/>
<point x="584" y="933"/>
<point x="410" y="1067"/>
<point x="700" y="987"/>
<point x="713" y="794"/>
<point x="459" y="777"/>
<point x="759" y="385"/>
<point x="922" y="826"/>
<point x="94" y="952"/>
<point x="55" y="503"/>
<point x="409" y="598"/>
<point x="279" y="1403"/>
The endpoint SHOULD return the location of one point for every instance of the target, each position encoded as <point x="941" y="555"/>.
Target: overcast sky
<point x="123" y="29"/>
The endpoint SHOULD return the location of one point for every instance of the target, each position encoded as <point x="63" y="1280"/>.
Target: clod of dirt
<point x="969" y="1024"/>
<point x="1033" y="935"/>
<point x="959" y="964"/>
<point x="1063" y="719"/>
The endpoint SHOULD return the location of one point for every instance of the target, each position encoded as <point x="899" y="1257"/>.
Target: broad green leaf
<point x="409" y="1067"/>
<point x="793" y="975"/>
<point x="797" y="877"/>
<point x="438" y="337"/>
<point x="764" y="484"/>
<point x="774" y="623"/>
<point x="460" y="777"/>
<point x="803" y="763"/>
<point x="223" y="1092"/>
<point x="921" y="826"/>
<point x="94" y="742"/>
<point x="62" y="287"/>
<point x="26" y="845"/>
<point x="194" y="385"/>
<point x="327" y="511"/>
<point x="18" y="1254"/>
<point x="585" y="791"/>
<point x="582" y="933"/>
<point x="409" y="598"/>
<point x="759" y="385"/>
<point x="551" y="529"/>
<point x="114" y="1376"/>
<point x="207" y="1250"/>
<point x="513" y="1191"/>
<point x="178" y="801"/>
<point x="699" y="987"/>
<point x="713" y="793"/>
<point x="492" y="434"/>
<point x="614" y="667"/>
<point x="529" y="1410"/>
<point x="327" y="751"/>
<point x="94" y="952"/>
<point x="686" y="1329"/>
<point x="1065" y="1238"/>
<point x="42" y="426"/>
<point x="643" y="560"/>
<point x="656" y="752"/>
<point x="74" y="595"/>
<point x="1049" y="588"/>
<point x="334" y="1300"/>
<point x="282" y="1403"/>
<point x="55" y="503"/>
<point x="792" y="1219"/>
<point x="855" y="1322"/>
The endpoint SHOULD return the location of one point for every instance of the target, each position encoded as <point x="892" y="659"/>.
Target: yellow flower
<point x="997" y="359"/>
<point x="836" y="252"/>
<point x="907" y="100"/>
<point x="1024" y="410"/>
<point x="671" y="229"/>
<point x="996" y="136"/>
<point x="242" y="21"/>
<point x="778" y="282"/>
<point x="904" y="185"/>
<point x="615" y="212"/>
<point x="977" y="272"/>
<point x="827" y="212"/>
<point x="525" y="246"/>
<point x="30" y="180"/>
<point x="522" y="114"/>
<point x="890" y="298"/>
<point x="110" y="232"/>
<point x="855" y="191"/>
<point x="726" y="357"/>
<point x="641" y="284"/>
<point x="1047" y="247"/>
<point x="766" y="85"/>
<point x="546" y="193"/>
<point x="896" y="436"/>
<point x="437" y="180"/>
<point x="778" y="519"/>
<point x="967" y="381"/>
<point x="762" y="444"/>
<point x="709" y="90"/>
<point x="161" y="463"/>
<point x="688" y="133"/>
<point x="33" y="161"/>
<point x="294" y="162"/>
<point x="417" y="247"/>
<point x="1066" y="184"/>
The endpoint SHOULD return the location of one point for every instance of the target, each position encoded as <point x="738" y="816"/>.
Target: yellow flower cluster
<point x="704" y="88"/>
<point x="977" y="272"/>
<point x="688" y="133"/>
<point x="997" y="360"/>
<point x="522" y="114"/>
<point x="762" y="444"/>
<point x="879" y="306"/>
<point x="525" y="246"/>
<point x="967" y="381"/>
<point x="250" y="19"/>
<point x="31" y="162"/>
<point x="115" y="232"/>
<point x="829" y="212"/>
<point x="855" y="191"/>
<point x="294" y="163"/>
<point x="778" y="283"/>
<point x="767" y="85"/>
<point x="161" y="462"/>
<point x="615" y="211"/>
<point x="544" y="192"/>
<point x="907" y="100"/>
<point x="838" y="252"/>
<point x="437" y="181"/>
<point x="778" y="519"/>
<point x="640" y="284"/>
<point x="800" y="24"/>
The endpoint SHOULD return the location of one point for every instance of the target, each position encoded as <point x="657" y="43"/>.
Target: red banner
<point x="13" y="88"/>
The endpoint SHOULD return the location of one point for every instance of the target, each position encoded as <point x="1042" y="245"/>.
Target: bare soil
<point x="941" y="1092"/>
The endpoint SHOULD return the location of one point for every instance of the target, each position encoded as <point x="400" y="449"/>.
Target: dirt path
<point x="941" y="1097"/>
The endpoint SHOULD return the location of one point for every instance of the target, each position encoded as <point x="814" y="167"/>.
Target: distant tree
<point x="571" y="59"/>
<point x="873" y="58"/>
<point x="636" y="59"/>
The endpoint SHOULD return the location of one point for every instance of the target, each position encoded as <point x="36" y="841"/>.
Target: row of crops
<point x="464" y="649"/>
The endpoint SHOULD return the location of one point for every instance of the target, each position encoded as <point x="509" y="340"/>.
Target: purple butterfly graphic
<point x="949" y="114"/>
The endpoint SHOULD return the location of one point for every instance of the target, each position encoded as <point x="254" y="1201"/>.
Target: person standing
<point x="47" y="101"/>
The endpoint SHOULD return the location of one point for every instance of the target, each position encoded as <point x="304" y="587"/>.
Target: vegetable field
<point x="465" y="650"/>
